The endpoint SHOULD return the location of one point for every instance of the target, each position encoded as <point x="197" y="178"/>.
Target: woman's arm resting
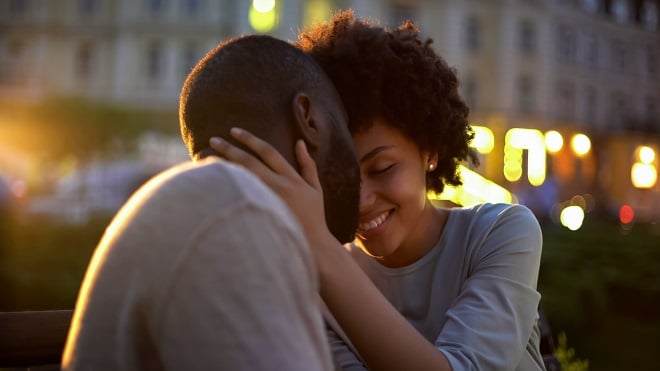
<point x="383" y="337"/>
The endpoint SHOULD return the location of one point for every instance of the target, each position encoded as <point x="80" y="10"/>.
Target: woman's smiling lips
<point x="369" y="226"/>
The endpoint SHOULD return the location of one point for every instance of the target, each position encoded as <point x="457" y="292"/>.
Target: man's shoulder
<point x="202" y="188"/>
<point x="211" y="178"/>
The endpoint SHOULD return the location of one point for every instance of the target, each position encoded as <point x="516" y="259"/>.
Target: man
<point x="205" y="267"/>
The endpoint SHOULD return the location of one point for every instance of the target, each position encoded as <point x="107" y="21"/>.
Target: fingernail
<point x="216" y="141"/>
<point x="236" y="131"/>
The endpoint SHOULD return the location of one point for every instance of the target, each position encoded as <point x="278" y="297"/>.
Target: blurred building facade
<point x="588" y="67"/>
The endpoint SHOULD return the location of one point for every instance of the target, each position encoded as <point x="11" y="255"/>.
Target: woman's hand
<point x="384" y="338"/>
<point x="302" y="192"/>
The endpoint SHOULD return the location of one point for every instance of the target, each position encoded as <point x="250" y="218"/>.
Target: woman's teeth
<point x="375" y="222"/>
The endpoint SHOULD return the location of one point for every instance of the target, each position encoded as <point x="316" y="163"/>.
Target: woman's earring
<point x="431" y="167"/>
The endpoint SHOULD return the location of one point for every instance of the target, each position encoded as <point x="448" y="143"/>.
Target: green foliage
<point x="601" y="285"/>
<point x="43" y="261"/>
<point x="566" y="356"/>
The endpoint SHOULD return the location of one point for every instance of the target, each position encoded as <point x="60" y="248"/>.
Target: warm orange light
<point x="643" y="175"/>
<point x="475" y="189"/>
<point x="646" y="154"/>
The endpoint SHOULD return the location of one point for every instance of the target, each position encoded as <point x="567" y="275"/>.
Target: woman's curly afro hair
<point x="393" y="75"/>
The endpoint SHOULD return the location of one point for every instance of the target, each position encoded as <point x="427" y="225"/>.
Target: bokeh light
<point x="646" y="154"/>
<point x="553" y="141"/>
<point x="263" y="6"/>
<point x="263" y="15"/>
<point x="581" y="144"/>
<point x="484" y="140"/>
<point x="572" y="217"/>
<point x="578" y="200"/>
<point x="626" y="214"/>
<point x="532" y="140"/>
<point x="643" y="175"/>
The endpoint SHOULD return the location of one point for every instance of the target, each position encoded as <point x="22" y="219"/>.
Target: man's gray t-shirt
<point x="204" y="268"/>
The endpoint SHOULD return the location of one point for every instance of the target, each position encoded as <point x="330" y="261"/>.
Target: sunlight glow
<point x="475" y="189"/>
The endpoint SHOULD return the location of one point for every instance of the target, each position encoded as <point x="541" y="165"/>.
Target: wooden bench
<point x="33" y="338"/>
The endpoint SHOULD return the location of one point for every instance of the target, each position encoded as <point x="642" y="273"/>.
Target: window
<point x="565" y="101"/>
<point x="591" y="51"/>
<point x="192" y="7"/>
<point x="650" y="15"/>
<point x="471" y="93"/>
<point x="591" y="6"/>
<point x="566" y="47"/>
<point x="155" y="7"/>
<point x="88" y="7"/>
<point x="620" y="10"/>
<point x="618" y="110"/>
<point x="189" y="58"/>
<point x="526" y="99"/>
<point x="472" y="34"/>
<point x="618" y="51"/>
<point x="154" y="61"/>
<point x="650" y="110"/>
<point x="84" y="57"/>
<point x="18" y="7"/>
<point x="590" y="104"/>
<point x="13" y="62"/>
<point x="527" y="37"/>
<point x="650" y="62"/>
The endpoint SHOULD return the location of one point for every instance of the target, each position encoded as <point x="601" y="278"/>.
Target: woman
<point x="421" y="287"/>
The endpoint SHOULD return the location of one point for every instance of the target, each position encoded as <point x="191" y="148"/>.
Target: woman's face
<point x="393" y="201"/>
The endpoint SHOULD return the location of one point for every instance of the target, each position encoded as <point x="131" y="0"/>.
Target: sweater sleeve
<point x="243" y="296"/>
<point x="490" y="322"/>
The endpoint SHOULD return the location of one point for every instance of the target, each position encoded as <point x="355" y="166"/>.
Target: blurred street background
<point x="564" y="98"/>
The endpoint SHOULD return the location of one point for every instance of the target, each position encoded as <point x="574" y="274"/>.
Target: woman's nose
<point x="367" y="196"/>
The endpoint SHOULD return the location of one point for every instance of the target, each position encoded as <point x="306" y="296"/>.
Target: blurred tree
<point x="57" y="128"/>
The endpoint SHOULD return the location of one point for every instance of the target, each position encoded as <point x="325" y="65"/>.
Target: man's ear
<point x="305" y="114"/>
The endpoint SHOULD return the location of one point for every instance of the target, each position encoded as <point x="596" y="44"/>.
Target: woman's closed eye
<point x="382" y="170"/>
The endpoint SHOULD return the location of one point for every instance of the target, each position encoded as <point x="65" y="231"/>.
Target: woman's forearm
<point x="384" y="338"/>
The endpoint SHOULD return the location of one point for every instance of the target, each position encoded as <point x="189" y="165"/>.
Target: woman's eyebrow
<point x="374" y="152"/>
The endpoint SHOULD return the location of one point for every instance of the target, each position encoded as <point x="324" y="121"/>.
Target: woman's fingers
<point x="238" y="156"/>
<point x="268" y="154"/>
<point x="307" y="165"/>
